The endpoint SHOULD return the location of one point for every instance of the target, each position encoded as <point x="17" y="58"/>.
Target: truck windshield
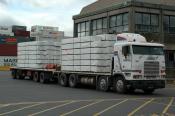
<point x="147" y="50"/>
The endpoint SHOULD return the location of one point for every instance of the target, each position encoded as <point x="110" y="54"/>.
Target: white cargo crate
<point x="85" y="50"/>
<point x="68" y="63"/>
<point x="67" y="68"/>
<point x="85" y="56"/>
<point x="85" y="68"/>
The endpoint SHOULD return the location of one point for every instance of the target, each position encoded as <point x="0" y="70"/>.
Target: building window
<point x="147" y="22"/>
<point x="83" y="29"/>
<point x="99" y="26"/>
<point x="169" y="24"/>
<point x="170" y="58"/>
<point x="119" y="23"/>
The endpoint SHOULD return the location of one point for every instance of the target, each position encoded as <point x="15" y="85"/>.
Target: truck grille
<point x="151" y="69"/>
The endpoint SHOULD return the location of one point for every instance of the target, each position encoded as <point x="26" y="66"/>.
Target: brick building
<point x="155" y="19"/>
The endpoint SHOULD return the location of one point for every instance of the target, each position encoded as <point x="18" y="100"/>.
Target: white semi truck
<point x="135" y="64"/>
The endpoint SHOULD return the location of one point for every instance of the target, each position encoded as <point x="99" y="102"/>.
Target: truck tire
<point x="102" y="84"/>
<point x="19" y="74"/>
<point x="43" y="78"/>
<point x="148" y="91"/>
<point x="120" y="85"/>
<point x="73" y="80"/>
<point x="36" y="77"/>
<point x="63" y="80"/>
<point x="13" y="73"/>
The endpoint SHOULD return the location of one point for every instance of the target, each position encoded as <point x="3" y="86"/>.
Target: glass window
<point x="82" y="27"/>
<point x="105" y="23"/>
<point x="147" y="50"/>
<point x="119" y="23"/>
<point x="126" y="50"/>
<point x="125" y="19"/>
<point x="120" y="29"/>
<point x="119" y="20"/>
<point x="83" y="34"/>
<point x="113" y="21"/>
<point x="146" y="22"/>
<point x="94" y="25"/>
<point x="87" y="33"/>
<point x="138" y="18"/>
<point x="125" y="28"/>
<point x="154" y="20"/>
<point x="146" y="19"/>
<point x="79" y="34"/>
<point x="172" y="21"/>
<point x="166" y="23"/>
<point x="169" y="24"/>
<point x="79" y="27"/>
<point x="87" y="26"/>
<point x="99" y="24"/>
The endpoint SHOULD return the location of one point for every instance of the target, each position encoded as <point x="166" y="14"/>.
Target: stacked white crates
<point x="38" y="54"/>
<point x="46" y="33"/>
<point x="88" y="54"/>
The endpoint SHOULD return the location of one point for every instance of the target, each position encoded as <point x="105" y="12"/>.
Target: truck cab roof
<point x="138" y="43"/>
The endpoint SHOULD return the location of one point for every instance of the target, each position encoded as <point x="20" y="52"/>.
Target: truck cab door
<point x="117" y="63"/>
<point x="126" y="58"/>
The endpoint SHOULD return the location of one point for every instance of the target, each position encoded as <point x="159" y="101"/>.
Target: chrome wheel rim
<point x="120" y="86"/>
<point x="103" y="84"/>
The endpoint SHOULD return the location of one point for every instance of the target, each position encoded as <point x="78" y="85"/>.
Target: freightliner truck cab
<point x="142" y="64"/>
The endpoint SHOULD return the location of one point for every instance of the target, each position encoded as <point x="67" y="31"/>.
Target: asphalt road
<point x="25" y="97"/>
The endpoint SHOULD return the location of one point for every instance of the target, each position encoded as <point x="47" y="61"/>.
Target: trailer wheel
<point x="43" y="78"/>
<point x="73" y="80"/>
<point x="13" y="73"/>
<point x="63" y="80"/>
<point x="19" y="74"/>
<point x="36" y="77"/>
<point x="102" y="84"/>
<point x="120" y="85"/>
<point x="148" y="91"/>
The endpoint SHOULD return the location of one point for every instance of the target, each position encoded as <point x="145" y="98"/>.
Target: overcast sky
<point x="41" y="12"/>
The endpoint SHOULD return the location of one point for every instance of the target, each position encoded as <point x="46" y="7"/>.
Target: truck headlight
<point x="128" y="74"/>
<point x="137" y="76"/>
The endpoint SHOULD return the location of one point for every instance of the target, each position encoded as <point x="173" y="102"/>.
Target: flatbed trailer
<point x="64" y="78"/>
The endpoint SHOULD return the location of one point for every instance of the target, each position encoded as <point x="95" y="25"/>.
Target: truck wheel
<point x="13" y="74"/>
<point x="43" y="78"/>
<point x="63" y="80"/>
<point x="36" y="77"/>
<point x="120" y="85"/>
<point x="73" y="80"/>
<point x="103" y="84"/>
<point x="148" y="91"/>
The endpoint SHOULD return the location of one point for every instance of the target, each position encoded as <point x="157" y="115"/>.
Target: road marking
<point x="140" y="107"/>
<point x="81" y="108"/>
<point x="97" y="114"/>
<point x="22" y="103"/>
<point x="51" y="108"/>
<point x="20" y="109"/>
<point x="159" y="103"/>
<point x="45" y="102"/>
<point x="168" y="106"/>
